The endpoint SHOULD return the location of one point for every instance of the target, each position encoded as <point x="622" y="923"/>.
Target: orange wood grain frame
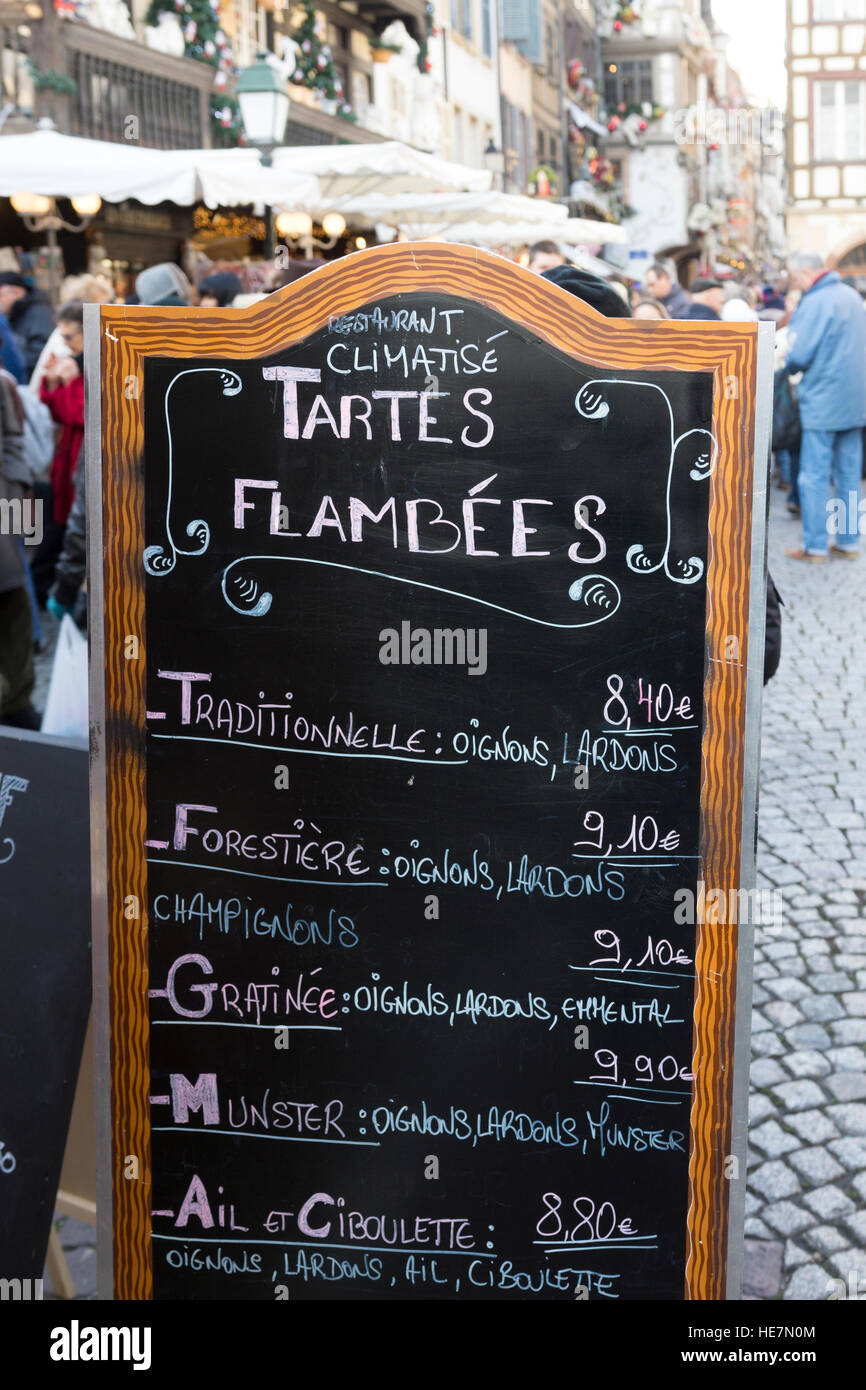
<point x="729" y="351"/>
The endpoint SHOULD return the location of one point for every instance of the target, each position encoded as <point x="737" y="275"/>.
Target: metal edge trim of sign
<point x="749" y="831"/>
<point x="98" y="822"/>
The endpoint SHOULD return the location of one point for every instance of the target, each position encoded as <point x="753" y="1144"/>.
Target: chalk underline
<point x="569" y="1250"/>
<point x="622" y="1090"/>
<point x="632" y="1242"/>
<point x="658" y="860"/>
<point x="638" y="970"/>
<point x="640" y="1100"/>
<point x="326" y="1245"/>
<point x="249" y="1134"/>
<point x="273" y="878"/>
<point x="645" y="733"/>
<point x="309" y="752"/>
<point x="636" y="984"/>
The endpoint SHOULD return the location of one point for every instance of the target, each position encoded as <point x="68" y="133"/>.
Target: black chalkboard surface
<point x="425" y="617"/>
<point x="45" y="981"/>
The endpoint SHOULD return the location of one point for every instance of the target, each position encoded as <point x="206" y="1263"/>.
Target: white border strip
<point x="749" y="833"/>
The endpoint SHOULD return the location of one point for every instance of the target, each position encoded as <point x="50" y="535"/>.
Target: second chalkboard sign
<point x="427" y="749"/>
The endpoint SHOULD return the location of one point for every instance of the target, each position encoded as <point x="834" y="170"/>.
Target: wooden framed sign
<point x="45" y="981"/>
<point x="426" y="729"/>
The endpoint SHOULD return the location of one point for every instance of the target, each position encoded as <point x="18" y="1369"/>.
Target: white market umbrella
<point x="450" y="209"/>
<point x="349" y="171"/>
<point x="65" y="166"/>
<point x="226" y="178"/>
<point x="571" y="231"/>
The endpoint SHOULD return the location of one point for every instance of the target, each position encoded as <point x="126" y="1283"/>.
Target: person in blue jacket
<point x="10" y="357"/>
<point x="828" y="345"/>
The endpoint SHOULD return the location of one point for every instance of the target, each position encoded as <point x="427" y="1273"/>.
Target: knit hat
<point x="11" y="277"/>
<point x="224" y="285"/>
<point x="738" y="311"/>
<point x="164" y="284"/>
<point x="590" y="288"/>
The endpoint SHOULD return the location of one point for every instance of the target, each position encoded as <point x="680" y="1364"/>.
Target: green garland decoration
<point x="206" y="42"/>
<point x="51" y="81"/>
<point x="315" y="64"/>
<point x="226" y="121"/>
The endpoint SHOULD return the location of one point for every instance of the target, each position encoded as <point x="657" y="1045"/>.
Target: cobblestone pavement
<point x="806" y="1201"/>
<point x="806" y="1196"/>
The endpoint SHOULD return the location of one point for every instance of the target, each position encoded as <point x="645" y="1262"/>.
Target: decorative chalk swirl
<point x="160" y="559"/>
<point x="597" y="595"/>
<point x="695" y="452"/>
<point x="249" y="598"/>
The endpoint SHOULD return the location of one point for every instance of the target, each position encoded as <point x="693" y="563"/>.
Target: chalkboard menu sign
<point x="427" y="631"/>
<point x="44" y="980"/>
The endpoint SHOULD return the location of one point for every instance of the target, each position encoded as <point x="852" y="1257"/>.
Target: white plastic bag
<point x="66" y="707"/>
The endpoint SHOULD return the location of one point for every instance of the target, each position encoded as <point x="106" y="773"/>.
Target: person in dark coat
<point x="707" y="299"/>
<point x="72" y="561"/>
<point x="30" y="316"/>
<point x="10" y="357"/>
<point x="590" y="288"/>
<point x="17" y="674"/>
<point x="217" y="291"/>
<point x="772" y="631"/>
<point x="670" y="294"/>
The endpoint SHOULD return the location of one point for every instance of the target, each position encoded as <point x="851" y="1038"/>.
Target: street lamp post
<point x="494" y="161"/>
<point x="39" y="214"/>
<point x="299" y="227"/>
<point x="264" y="101"/>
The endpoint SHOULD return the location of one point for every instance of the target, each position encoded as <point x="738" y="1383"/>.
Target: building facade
<point x="547" y="58"/>
<point x="91" y="65"/>
<point x="654" y="69"/>
<point x="826" y="46"/>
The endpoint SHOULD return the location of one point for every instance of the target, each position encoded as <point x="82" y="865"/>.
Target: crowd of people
<point x="820" y="398"/>
<point x="820" y="377"/>
<point x="41" y="449"/>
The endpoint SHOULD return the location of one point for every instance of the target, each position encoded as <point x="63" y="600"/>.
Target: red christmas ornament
<point x="621" y="107"/>
<point x="641" y="125"/>
<point x="617" y="24"/>
<point x="613" y="123"/>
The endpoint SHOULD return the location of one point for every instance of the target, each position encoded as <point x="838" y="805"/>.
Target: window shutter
<point x="515" y="21"/>
<point x="521" y="25"/>
<point x="533" y="48"/>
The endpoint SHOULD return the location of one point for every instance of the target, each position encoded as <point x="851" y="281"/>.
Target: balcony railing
<point x="115" y="80"/>
<point x="118" y="81"/>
